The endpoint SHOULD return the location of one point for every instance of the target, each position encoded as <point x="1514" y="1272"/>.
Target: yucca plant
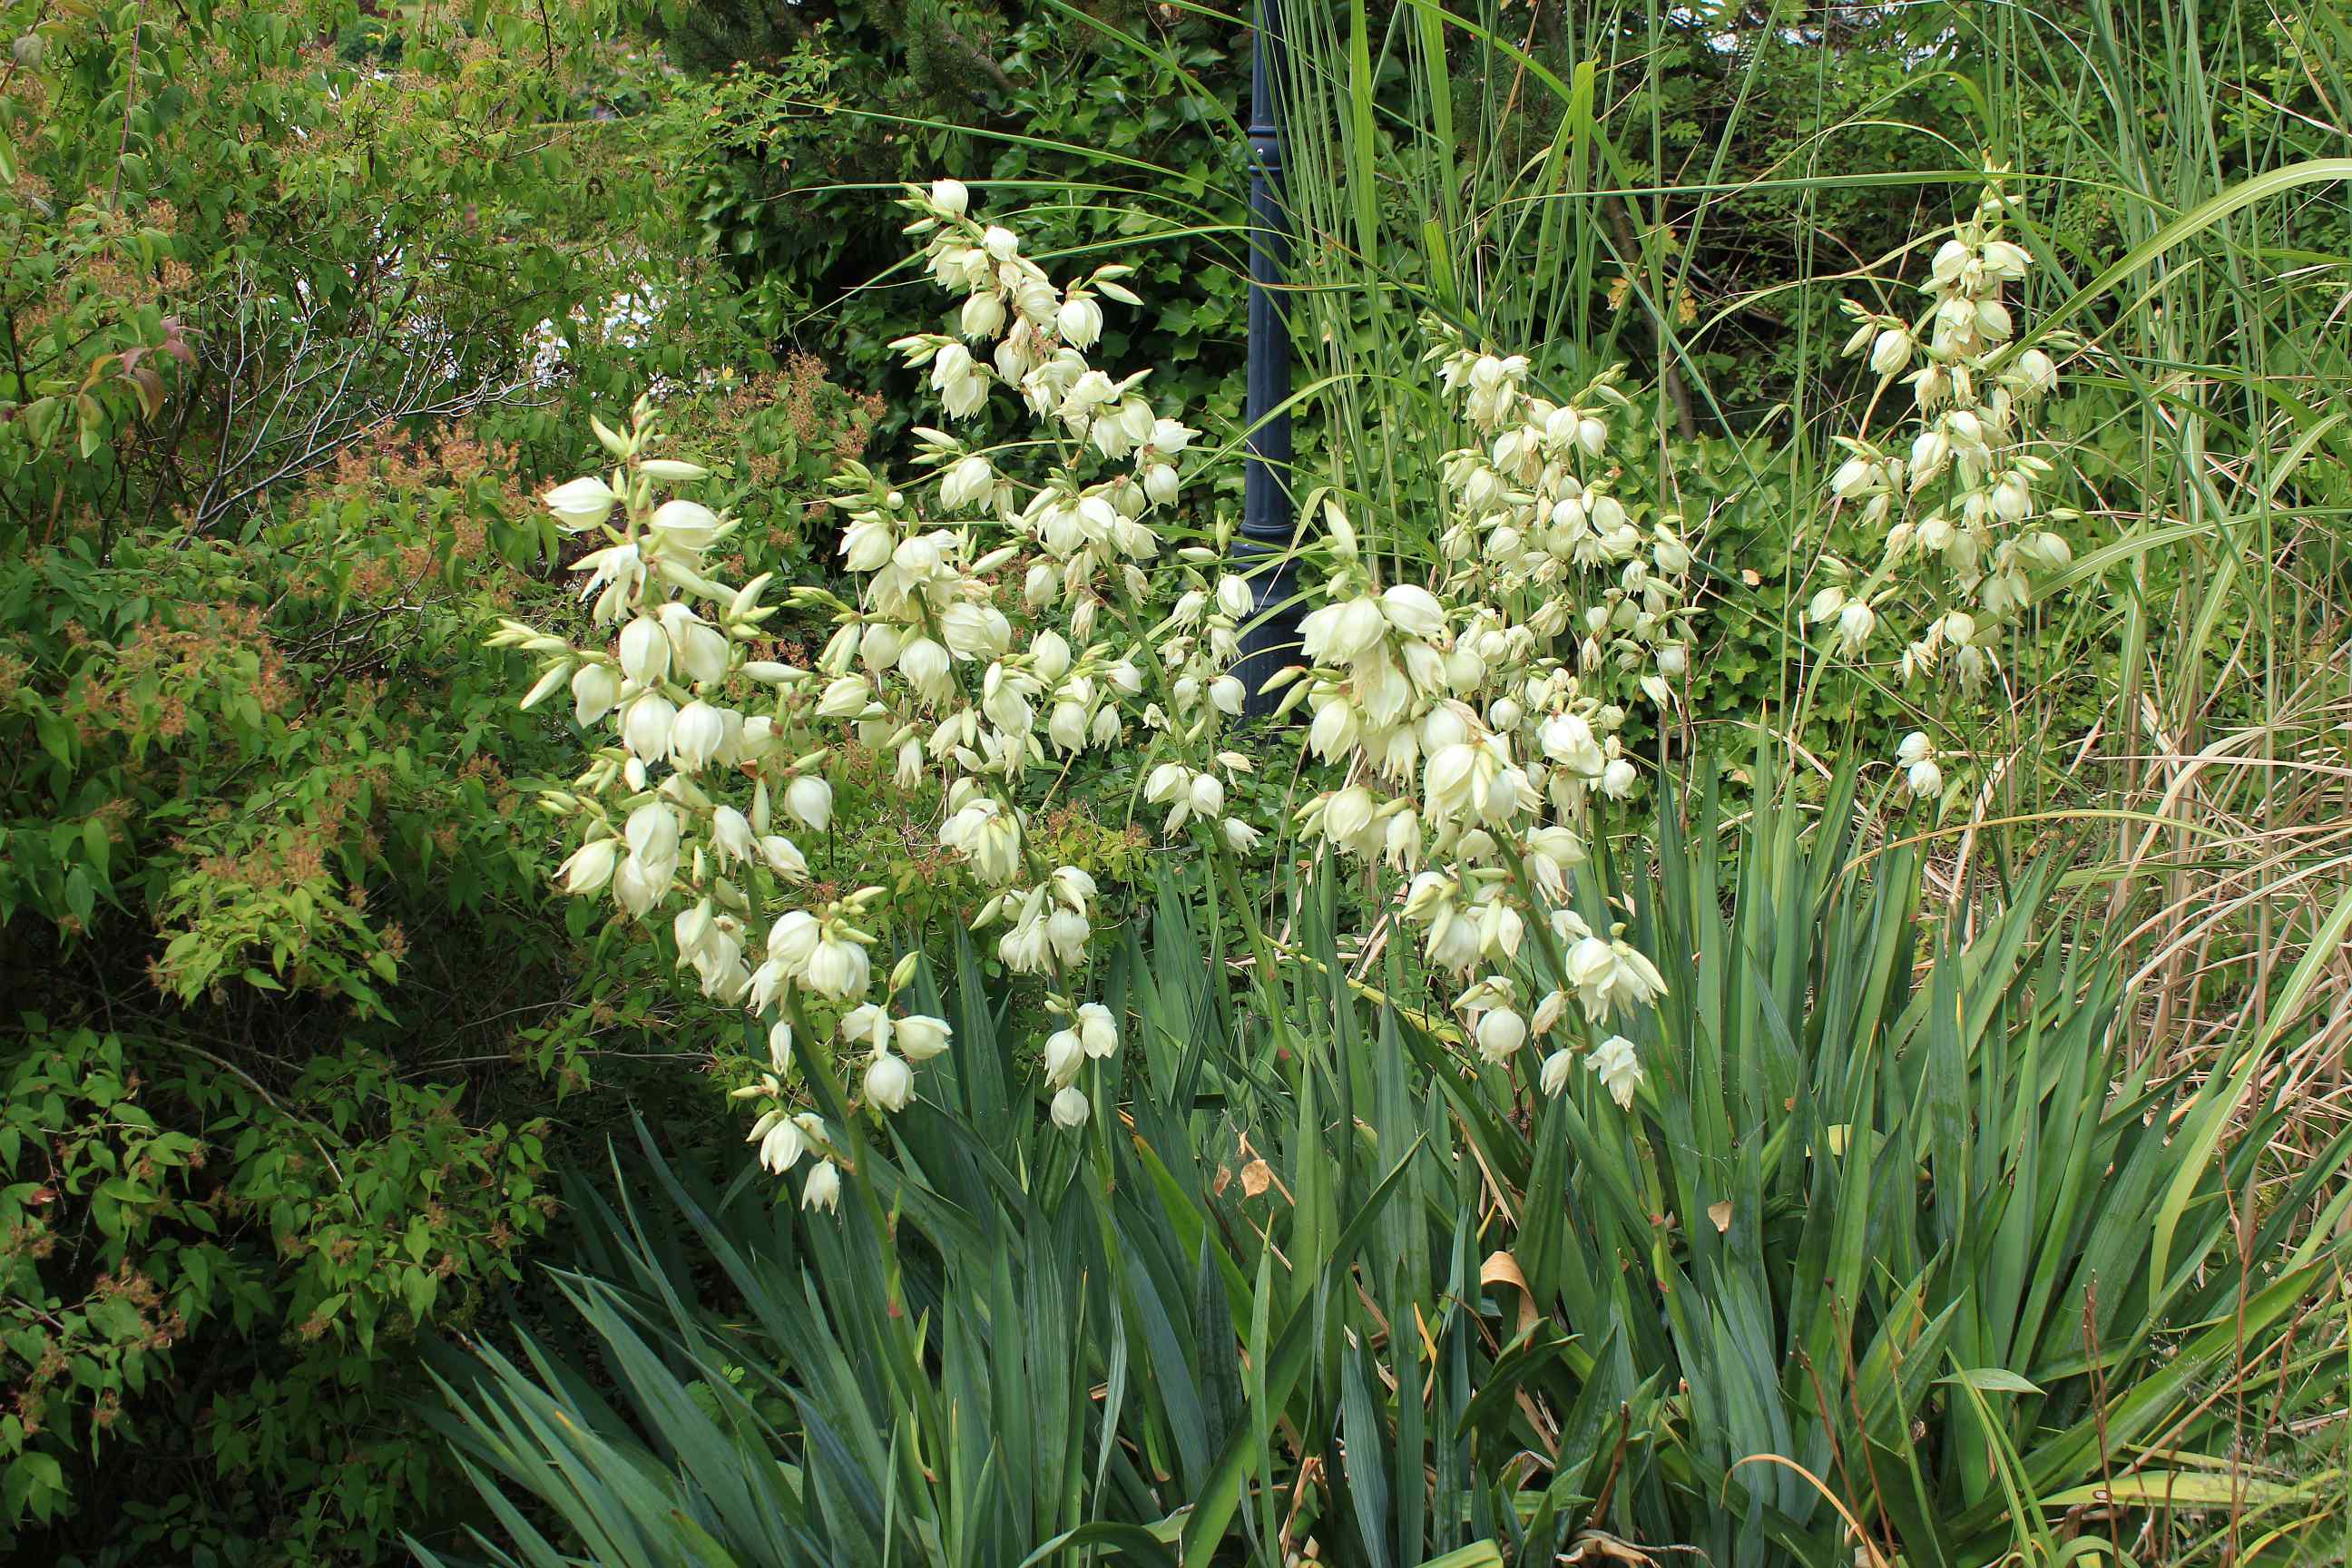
<point x="1924" y="1251"/>
<point x="1895" y="1254"/>
<point x="1012" y="1344"/>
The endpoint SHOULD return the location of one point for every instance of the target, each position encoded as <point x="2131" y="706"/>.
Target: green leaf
<point x="2182" y="1489"/>
<point x="1990" y="1380"/>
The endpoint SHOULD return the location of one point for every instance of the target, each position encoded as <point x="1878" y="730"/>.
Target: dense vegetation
<point x="1775" y="1071"/>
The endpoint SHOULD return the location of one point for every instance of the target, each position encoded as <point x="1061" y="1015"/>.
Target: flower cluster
<point x="1538" y="520"/>
<point x="1015" y="609"/>
<point x="1473" y="724"/>
<point x="1002" y="625"/>
<point x="1953" y="496"/>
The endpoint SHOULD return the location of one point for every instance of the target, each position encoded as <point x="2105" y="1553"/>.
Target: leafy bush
<point x="284" y="328"/>
<point x="260" y="809"/>
<point x="196" y="1265"/>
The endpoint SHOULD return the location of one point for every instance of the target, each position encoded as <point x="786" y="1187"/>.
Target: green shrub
<point x="293" y="303"/>
<point x="196" y="1267"/>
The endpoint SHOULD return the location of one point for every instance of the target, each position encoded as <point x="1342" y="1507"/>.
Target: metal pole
<point x="1268" y="523"/>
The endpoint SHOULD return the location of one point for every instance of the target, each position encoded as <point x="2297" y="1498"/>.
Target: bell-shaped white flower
<point x="696" y="736"/>
<point x="686" y="525"/>
<point x="1413" y="611"/>
<point x="920" y="1038"/>
<point x="590" y="866"/>
<point x="1501" y="1032"/>
<point x="983" y="315"/>
<point x="645" y="727"/>
<point x="988" y="835"/>
<point x="783" y="858"/>
<point x="703" y="650"/>
<point x="1064" y="1054"/>
<point x="595" y="691"/>
<point x="843" y="698"/>
<point x="1855" y="622"/>
<point x="889" y="1082"/>
<point x="966" y="482"/>
<point x="731" y="836"/>
<point x="838" y="967"/>
<point x="1891" y="351"/>
<point x="1557" y="1067"/>
<point x="1080" y="321"/>
<point x="781" y="1140"/>
<point x="1097" y="1030"/>
<point x="645" y="651"/>
<point x="810" y="800"/>
<point x="1620" y="1070"/>
<point x="581" y="504"/>
<point x="1206" y="795"/>
<point x="792" y="940"/>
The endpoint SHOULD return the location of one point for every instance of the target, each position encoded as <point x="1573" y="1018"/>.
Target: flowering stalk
<point x="975" y="654"/>
<point x="1961" y="525"/>
<point x="1472" y="724"/>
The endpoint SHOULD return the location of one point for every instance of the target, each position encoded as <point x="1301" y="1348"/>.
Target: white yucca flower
<point x="1619" y="1069"/>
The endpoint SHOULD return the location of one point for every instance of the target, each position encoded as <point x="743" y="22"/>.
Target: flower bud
<point x="595" y="689"/>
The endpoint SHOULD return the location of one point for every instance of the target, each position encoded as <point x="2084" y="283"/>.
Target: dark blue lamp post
<point x="1268" y="523"/>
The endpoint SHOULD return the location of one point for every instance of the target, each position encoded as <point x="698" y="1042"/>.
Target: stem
<point x="130" y="98"/>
